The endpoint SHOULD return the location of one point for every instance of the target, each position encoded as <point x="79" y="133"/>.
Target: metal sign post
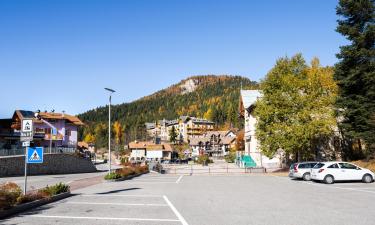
<point x="26" y="136"/>
<point x="25" y="186"/>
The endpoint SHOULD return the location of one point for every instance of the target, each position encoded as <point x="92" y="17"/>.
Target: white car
<point x="301" y="170"/>
<point x="329" y="172"/>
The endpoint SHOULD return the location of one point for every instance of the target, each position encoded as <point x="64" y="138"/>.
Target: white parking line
<point x="111" y="195"/>
<point x="340" y="188"/>
<point x="105" y="218"/>
<point x="179" y="179"/>
<point x="119" y="204"/>
<point x="179" y="216"/>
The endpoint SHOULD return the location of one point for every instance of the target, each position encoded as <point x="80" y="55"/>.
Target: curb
<point x="31" y="205"/>
<point x="126" y="178"/>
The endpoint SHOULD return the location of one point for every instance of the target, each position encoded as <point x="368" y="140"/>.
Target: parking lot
<point x="204" y="199"/>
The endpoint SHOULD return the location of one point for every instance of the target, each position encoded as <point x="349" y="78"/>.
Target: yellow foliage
<point x="89" y="138"/>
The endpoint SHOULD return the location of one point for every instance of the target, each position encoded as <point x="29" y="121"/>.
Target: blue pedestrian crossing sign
<point x="35" y="155"/>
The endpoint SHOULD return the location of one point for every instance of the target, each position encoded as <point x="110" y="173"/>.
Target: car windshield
<point x="318" y="165"/>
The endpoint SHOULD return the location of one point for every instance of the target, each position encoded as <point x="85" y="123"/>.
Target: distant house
<point x="147" y="150"/>
<point x="213" y="143"/>
<point x="252" y="151"/>
<point x="65" y="136"/>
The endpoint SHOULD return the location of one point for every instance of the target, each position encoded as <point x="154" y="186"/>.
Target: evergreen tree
<point x="173" y="135"/>
<point x="355" y="72"/>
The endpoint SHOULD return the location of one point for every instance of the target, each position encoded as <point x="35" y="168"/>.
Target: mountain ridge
<point x="214" y="97"/>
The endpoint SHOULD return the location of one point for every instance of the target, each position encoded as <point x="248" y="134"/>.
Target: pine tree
<point x="355" y="71"/>
<point x="173" y="135"/>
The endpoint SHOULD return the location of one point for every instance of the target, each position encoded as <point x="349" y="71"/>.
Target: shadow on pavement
<point x="116" y="191"/>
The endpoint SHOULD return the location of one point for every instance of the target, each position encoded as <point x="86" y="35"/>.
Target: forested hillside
<point x="213" y="97"/>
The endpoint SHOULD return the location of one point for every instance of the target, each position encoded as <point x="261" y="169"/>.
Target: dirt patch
<point x="366" y="164"/>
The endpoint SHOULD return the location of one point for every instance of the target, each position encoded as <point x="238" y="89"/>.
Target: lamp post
<point x="109" y="127"/>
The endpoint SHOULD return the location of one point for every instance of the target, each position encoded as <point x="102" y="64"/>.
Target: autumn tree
<point x="117" y="128"/>
<point x="297" y="107"/>
<point x="355" y="72"/>
<point x="89" y="138"/>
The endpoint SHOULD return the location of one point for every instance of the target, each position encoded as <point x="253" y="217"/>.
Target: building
<point x="186" y="127"/>
<point x="252" y="152"/>
<point x="146" y="150"/>
<point x="192" y="127"/>
<point x="213" y="143"/>
<point x="66" y="130"/>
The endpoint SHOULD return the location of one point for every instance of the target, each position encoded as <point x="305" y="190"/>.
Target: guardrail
<point x="21" y="151"/>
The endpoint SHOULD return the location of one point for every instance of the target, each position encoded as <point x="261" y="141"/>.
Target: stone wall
<point x="53" y="164"/>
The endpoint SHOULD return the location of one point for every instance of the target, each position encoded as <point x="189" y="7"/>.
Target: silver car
<point x="301" y="170"/>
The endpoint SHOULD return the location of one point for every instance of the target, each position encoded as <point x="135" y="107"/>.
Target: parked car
<point x="329" y="172"/>
<point x="301" y="170"/>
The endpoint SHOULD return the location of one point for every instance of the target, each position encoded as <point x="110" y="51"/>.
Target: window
<point x="312" y="165"/>
<point x="302" y="166"/>
<point x="68" y="132"/>
<point x="318" y="165"/>
<point x="347" y="166"/>
<point x="334" y="166"/>
<point x="47" y="130"/>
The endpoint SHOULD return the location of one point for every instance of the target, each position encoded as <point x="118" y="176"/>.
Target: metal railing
<point x="190" y="170"/>
<point x="46" y="150"/>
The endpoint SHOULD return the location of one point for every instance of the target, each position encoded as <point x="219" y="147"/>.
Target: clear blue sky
<point x="60" y="54"/>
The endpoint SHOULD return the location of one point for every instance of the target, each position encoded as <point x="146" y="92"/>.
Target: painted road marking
<point x="105" y="218"/>
<point x="340" y="188"/>
<point x="179" y="179"/>
<point x="179" y="216"/>
<point x="104" y="195"/>
<point x="119" y="204"/>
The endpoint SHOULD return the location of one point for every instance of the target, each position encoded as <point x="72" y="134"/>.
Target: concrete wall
<point x="53" y="164"/>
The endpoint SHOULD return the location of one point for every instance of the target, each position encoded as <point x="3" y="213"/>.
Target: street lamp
<point x="109" y="127"/>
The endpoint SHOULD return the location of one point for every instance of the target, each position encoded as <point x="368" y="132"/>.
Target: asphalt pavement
<point x="210" y="200"/>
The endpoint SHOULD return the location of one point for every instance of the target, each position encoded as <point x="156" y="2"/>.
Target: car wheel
<point x="367" y="178"/>
<point x="329" y="179"/>
<point x="306" y="177"/>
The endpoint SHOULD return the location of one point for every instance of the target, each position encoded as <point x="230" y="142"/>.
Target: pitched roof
<point x="227" y="140"/>
<point x="217" y="133"/>
<point x="249" y="97"/>
<point x="61" y="116"/>
<point x="195" y="141"/>
<point x="22" y="114"/>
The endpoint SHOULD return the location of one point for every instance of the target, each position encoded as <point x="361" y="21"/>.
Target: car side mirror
<point x="358" y="168"/>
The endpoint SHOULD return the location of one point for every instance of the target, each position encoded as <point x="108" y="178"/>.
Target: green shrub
<point x="203" y="159"/>
<point x="112" y="176"/>
<point x="55" y="189"/>
<point x="230" y="158"/>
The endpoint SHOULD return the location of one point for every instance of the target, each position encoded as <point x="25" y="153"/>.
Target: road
<point x="36" y="182"/>
<point x="219" y="199"/>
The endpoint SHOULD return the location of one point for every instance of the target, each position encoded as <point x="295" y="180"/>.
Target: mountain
<point x="213" y="97"/>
